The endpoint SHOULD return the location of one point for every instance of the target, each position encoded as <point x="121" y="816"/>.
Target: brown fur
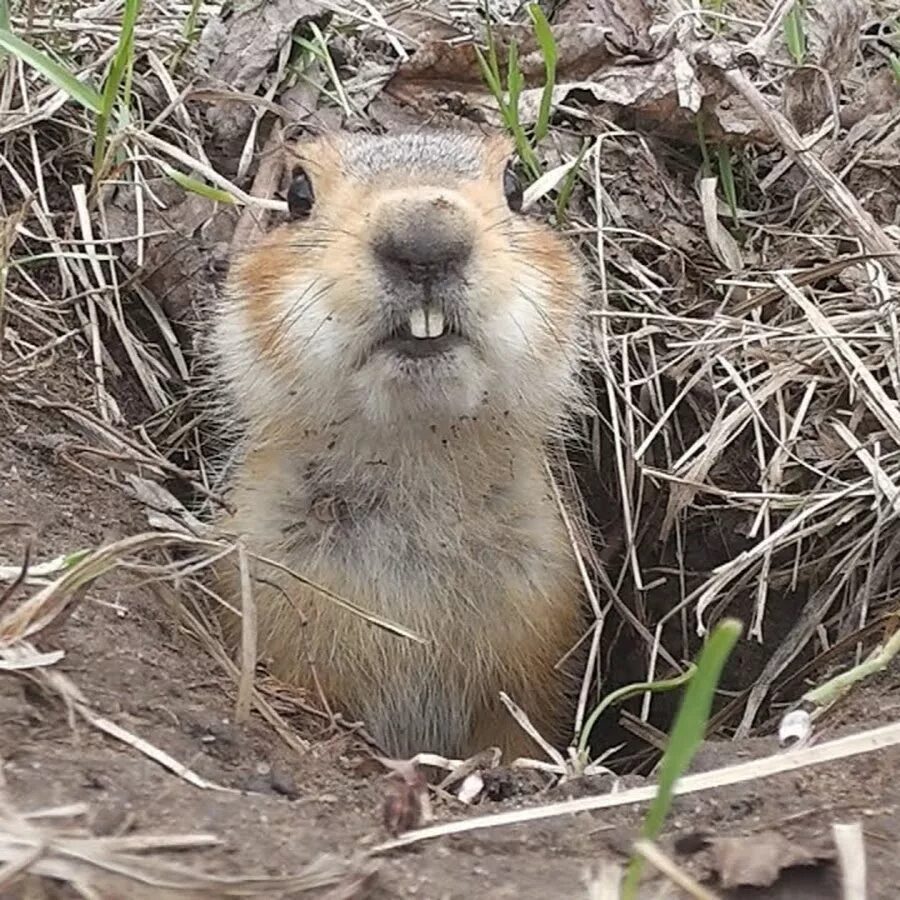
<point x="417" y="493"/>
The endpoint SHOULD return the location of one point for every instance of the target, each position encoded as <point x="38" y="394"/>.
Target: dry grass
<point x="48" y="844"/>
<point x="748" y="371"/>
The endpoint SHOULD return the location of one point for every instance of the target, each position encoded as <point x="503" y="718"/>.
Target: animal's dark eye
<point x="300" y="196"/>
<point x="512" y="188"/>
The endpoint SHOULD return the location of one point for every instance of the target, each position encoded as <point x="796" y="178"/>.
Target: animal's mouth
<point x="426" y="332"/>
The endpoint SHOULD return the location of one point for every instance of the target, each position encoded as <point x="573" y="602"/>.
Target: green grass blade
<point x="726" y="177"/>
<point x="716" y="6"/>
<point x="687" y="733"/>
<point x="509" y="109"/>
<point x="895" y="66"/>
<point x="121" y="63"/>
<point x="331" y="70"/>
<point x="704" y="147"/>
<point x="491" y="43"/>
<point x="490" y="66"/>
<point x="191" y="32"/>
<point x="4" y="25"/>
<point x="623" y="693"/>
<point x="72" y="559"/>
<point x="514" y="78"/>
<point x="515" y="82"/>
<point x="128" y="56"/>
<point x="124" y="54"/>
<point x="794" y="35"/>
<point x="195" y="186"/>
<point x="547" y="43"/>
<point x="86" y="95"/>
<point x="491" y="78"/>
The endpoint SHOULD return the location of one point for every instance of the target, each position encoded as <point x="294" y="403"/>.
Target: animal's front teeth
<point x="426" y="323"/>
<point x="418" y="323"/>
<point x="435" y="323"/>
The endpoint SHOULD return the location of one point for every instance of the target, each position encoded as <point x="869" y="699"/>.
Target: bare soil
<point x="124" y="650"/>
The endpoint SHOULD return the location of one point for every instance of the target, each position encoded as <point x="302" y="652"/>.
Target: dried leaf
<point x="628" y="21"/>
<point x="426" y="20"/>
<point x="734" y="116"/>
<point x="243" y="55"/>
<point x="650" y="89"/>
<point x="439" y="67"/>
<point x="880" y="97"/>
<point x="832" y="34"/>
<point x="406" y="803"/>
<point x="663" y="89"/>
<point x="832" y="31"/>
<point x="256" y="34"/>
<point x="807" y="100"/>
<point x="690" y="93"/>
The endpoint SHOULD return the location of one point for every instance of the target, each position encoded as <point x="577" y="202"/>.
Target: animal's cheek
<point x="347" y="259"/>
<point x="349" y="318"/>
<point x="515" y="311"/>
<point x="348" y="282"/>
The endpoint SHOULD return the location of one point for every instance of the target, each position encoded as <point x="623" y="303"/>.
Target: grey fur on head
<point x="419" y="152"/>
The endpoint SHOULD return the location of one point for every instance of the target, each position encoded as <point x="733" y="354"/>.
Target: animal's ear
<point x="498" y="148"/>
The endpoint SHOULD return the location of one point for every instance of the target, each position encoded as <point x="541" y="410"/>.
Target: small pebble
<point x="283" y="782"/>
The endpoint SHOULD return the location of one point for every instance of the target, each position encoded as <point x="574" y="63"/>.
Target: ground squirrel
<point x="398" y="353"/>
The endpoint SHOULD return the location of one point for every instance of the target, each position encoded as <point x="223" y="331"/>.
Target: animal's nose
<point x="423" y="239"/>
